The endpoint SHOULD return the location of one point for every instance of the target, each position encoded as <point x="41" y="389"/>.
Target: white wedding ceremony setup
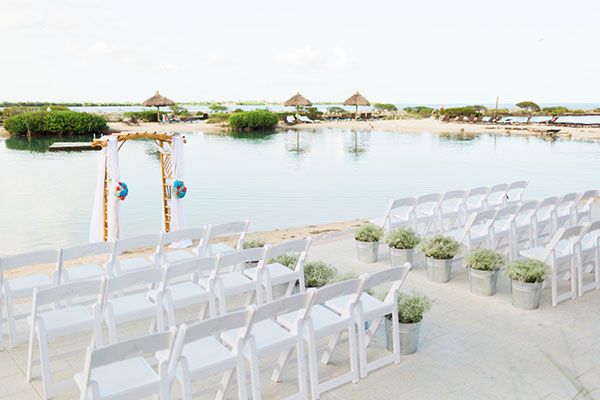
<point x="203" y="312"/>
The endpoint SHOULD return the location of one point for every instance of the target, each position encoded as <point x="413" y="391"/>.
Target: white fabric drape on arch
<point x="109" y="163"/>
<point x="176" y="205"/>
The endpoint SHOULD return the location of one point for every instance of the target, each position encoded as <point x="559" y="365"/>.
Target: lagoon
<point x="278" y="180"/>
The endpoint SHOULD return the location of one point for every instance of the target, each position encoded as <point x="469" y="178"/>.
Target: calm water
<point x="278" y="180"/>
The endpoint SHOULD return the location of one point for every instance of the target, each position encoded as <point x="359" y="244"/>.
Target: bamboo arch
<point x="162" y="140"/>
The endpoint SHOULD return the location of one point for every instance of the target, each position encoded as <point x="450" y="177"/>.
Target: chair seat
<point x="369" y="303"/>
<point x="25" y="285"/>
<point x="66" y="318"/>
<point x="321" y="317"/>
<point x="203" y="353"/>
<point x="233" y="283"/>
<point x="537" y="253"/>
<point x="121" y="377"/>
<point x="177" y="255"/>
<point x="131" y="304"/>
<point x="186" y="291"/>
<point x="134" y="263"/>
<point x="82" y="272"/>
<point x="279" y="273"/>
<point x="266" y="333"/>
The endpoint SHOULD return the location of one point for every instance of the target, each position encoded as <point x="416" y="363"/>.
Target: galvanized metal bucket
<point x="367" y="251"/>
<point x="526" y="295"/>
<point x="483" y="283"/>
<point x="438" y="271"/>
<point x="399" y="257"/>
<point x="409" y="336"/>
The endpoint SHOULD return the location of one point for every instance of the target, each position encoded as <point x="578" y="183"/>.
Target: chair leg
<point x="112" y="330"/>
<point x="225" y="381"/>
<point x="254" y="372"/>
<point x="554" y="288"/>
<point x="302" y="384"/>
<point x="241" y="379"/>
<point x="10" y="319"/>
<point x="44" y="363"/>
<point x="330" y="347"/>
<point x="355" y="350"/>
<point x="362" y="346"/>
<point x="186" y="387"/>
<point x="281" y="363"/>
<point x="30" y="352"/>
<point x="396" y="337"/>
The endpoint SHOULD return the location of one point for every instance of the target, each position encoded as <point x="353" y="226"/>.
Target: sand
<point x="400" y="125"/>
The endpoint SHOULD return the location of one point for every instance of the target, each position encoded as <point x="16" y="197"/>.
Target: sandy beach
<point x="398" y="125"/>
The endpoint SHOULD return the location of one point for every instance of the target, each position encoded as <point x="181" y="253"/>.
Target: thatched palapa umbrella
<point x="356" y="100"/>
<point x="158" y="101"/>
<point x="298" y="101"/>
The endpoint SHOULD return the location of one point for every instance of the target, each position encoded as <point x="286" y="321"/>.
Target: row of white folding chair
<point x="229" y="342"/>
<point x="431" y="212"/>
<point x="571" y="253"/>
<point x="106" y="260"/>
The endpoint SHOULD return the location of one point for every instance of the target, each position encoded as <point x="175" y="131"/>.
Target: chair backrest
<point x="231" y="228"/>
<point x="395" y="275"/>
<point x="484" y="217"/>
<point x="296" y="302"/>
<point x="133" y="281"/>
<point x="453" y="195"/>
<point x="586" y="199"/>
<point x="86" y="250"/>
<point x="508" y="212"/>
<point x="192" y="234"/>
<point x="405" y="205"/>
<point x="516" y="189"/>
<point x="497" y="194"/>
<point x="592" y="230"/>
<point x="299" y="247"/>
<point x="232" y="320"/>
<point x="345" y="288"/>
<point x="67" y="292"/>
<point x="476" y="196"/>
<point x="571" y="235"/>
<point x="427" y="199"/>
<point x="568" y="200"/>
<point x="403" y="202"/>
<point x="549" y="203"/>
<point x="137" y="242"/>
<point x="238" y="258"/>
<point x="193" y="266"/>
<point x="31" y="258"/>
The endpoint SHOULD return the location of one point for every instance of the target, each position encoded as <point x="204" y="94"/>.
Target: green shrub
<point x="318" y="274"/>
<point x="55" y="123"/>
<point x="528" y="271"/>
<point x="253" y="120"/>
<point x="385" y="107"/>
<point x="289" y="260"/>
<point x="557" y="110"/>
<point x="484" y="260"/>
<point x="421" y="111"/>
<point x="336" y="110"/>
<point x="217" y="118"/>
<point x="411" y="307"/>
<point x="402" y="239"/>
<point x="146" y="116"/>
<point x="368" y="233"/>
<point x="217" y="107"/>
<point x="254" y="243"/>
<point x="440" y="247"/>
<point x="468" y="111"/>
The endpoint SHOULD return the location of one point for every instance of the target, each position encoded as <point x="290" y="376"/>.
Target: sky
<point x="432" y="51"/>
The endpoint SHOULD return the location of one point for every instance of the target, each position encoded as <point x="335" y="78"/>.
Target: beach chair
<point x="496" y="197"/>
<point x="67" y="316"/>
<point x="514" y="194"/>
<point x="477" y="231"/>
<point x="275" y="273"/>
<point x="127" y="298"/>
<point x="564" y="212"/>
<point x="229" y="278"/>
<point x="179" y="287"/>
<point x="118" y="265"/>
<point x="399" y="213"/>
<point x="560" y="255"/>
<point x="23" y="287"/>
<point x="304" y="118"/>
<point x="425" y="213"/>
<point x="99" y="254"/>
<point x="179" y="245"/>
<point x="502" y="226"/>
<point x="588" y="261"/>
<point x="266" y="337"/>
<point x="214" y="231"/>
<point x="474" y="202"/>
<point x="522" y="229"/>
<point x="122" y="372"/>
<point x="583" y="210"/>
<point x="543" y="220"/>
<point x="290" y="120"/>
<point x="449" y="210"/>
<point x="202" y="354"/>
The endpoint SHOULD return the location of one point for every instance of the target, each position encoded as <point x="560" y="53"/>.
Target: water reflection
<point x="295" y="144"/>
<point x="459" y="137"/>
<point x="358" y="143"/>
<point x="40" y="144"/>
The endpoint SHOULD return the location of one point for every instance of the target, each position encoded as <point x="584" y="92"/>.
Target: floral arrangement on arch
<point x="121" y="191"/>
<point x="179" y="189"/>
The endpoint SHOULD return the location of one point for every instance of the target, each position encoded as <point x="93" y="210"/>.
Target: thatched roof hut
<point x="158" y="101"/>
<point x="297" y="101"/>
<point x="356" y="100"/>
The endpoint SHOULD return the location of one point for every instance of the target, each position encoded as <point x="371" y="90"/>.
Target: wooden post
<point x="496" y="110"/>
<point x="164" y="164"/>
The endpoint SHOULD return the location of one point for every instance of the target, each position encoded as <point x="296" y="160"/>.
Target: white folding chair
<point x="118" y="265"/>
<point x="502" y="229"/>
<point x="274" y="274"/>
<point x="474" y="202"/>
<point x="522" y="234"/>
<point x="331" y="314"/>
<point x="202" y="354"/>
<point x="128" y="298"/>
<point x="101" y="251"/>
<point x="267" y="337"/>
<point x="542" y="220"/>
<point x="450" y="210"/>
<point x="22" y="287"/>
<point x="66" y="318"/>
<point x="564" y="212"/>
<point x="172" y="245"/>
<point x="588" y="261"/>
<point x="121" y="371"/>
<point x="478" y="230"/>
<point x="514" y="194"/>
<point x="180" y="289"/>
<point x="399" y="213"/>
<point x="230" y="280"/>
<point x="496" y="197"/>
<point x="425" y="213"/>
<point x="214" y="231"/>
<point x="561" y="255"/>
<point x="372" y="309"/>
<point x="583" y="210"/>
